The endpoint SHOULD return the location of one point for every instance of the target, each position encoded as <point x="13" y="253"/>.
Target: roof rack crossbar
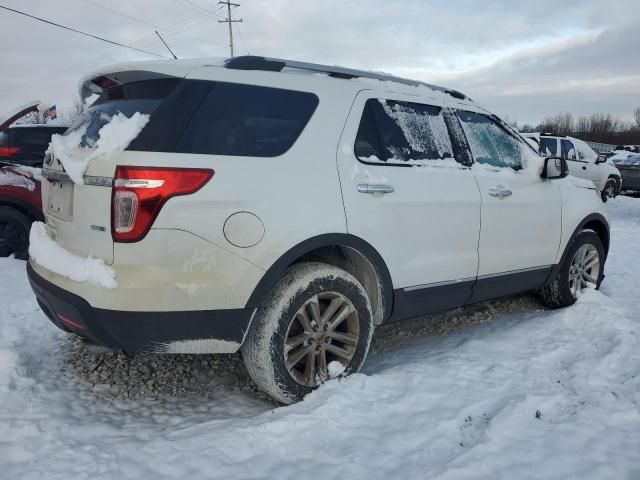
<point x="252" y="62"/>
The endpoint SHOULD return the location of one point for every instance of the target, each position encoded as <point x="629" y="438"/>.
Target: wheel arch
<point x="596" y="222"/>
<point x="21" y="206"/>
<point x="345" y="251"/>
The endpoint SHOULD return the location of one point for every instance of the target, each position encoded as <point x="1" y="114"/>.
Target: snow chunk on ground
<point x="13" y="179"/>
<point x="335" y="369"/>
<point x="53" y="257"/>
<point x="113" y="137"/>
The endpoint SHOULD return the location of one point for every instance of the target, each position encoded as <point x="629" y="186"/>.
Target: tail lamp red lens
<point x="140" y="192"/>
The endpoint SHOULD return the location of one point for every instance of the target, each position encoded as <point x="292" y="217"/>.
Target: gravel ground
<point x="151" y="376"/>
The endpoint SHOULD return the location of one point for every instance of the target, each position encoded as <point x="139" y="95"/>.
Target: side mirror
<point x="554" y="167"/>
<point x="601" y="159"/>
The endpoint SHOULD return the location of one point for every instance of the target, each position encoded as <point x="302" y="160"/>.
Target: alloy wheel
<point x="584" y="270"/>
<point x="325" y="329"/>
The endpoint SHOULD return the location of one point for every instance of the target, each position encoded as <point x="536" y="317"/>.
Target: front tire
<point x="609" y="190"/>
<point x="14" y="233"/>
<point x="581" y="269"/>
<point x="315" y="324"/>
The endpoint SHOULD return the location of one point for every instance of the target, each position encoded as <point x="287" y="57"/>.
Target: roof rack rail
<point x="253" y="62"/>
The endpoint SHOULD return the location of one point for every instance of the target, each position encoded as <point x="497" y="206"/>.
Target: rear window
<point x="391" y="131"/>
<point x="144" y="97"/>
<point x="247" y="120"/>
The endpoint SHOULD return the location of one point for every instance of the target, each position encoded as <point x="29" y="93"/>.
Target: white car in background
<point x="582" y="161"/>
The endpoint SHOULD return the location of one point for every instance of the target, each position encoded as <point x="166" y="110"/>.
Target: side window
<point x="568" y="150"/>
<point x="549" y="147"/>
<point x="490" y="144"/>
<point x="247" y="120"/>
<point x="397" y="132"/>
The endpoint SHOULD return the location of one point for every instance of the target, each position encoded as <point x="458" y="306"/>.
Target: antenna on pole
<point x="165" y="44"/>
<point x="230" y="21"/>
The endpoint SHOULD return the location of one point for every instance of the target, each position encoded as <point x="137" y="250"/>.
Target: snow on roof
<point x="132" y="71"/>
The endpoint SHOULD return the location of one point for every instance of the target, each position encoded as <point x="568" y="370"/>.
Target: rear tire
<point x="14" y="233"/>
<point x="316" y="315"/>
<point x="581" y="269"/>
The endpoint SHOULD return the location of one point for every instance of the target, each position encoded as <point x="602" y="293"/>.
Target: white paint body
<point x="439" y="225"/>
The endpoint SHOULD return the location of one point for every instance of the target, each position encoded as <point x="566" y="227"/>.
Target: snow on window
<point x="422" y="126"/>
<point x="114" y="136"/>
<point x="396" y="132"/>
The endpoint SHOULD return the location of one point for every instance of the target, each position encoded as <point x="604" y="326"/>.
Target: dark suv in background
<point x="22" y="150"/>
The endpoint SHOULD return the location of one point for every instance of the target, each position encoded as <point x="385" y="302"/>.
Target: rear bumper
<point x="200" y="331"/>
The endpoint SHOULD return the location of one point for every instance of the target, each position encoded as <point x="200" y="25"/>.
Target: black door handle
<point x="584" y="168"/>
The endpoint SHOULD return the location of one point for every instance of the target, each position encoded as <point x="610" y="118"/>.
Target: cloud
<point x="522" y="59"/>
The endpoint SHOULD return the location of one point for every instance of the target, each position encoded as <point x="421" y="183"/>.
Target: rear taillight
<point x="140" y="192"/>
<point x="8" y="151"/>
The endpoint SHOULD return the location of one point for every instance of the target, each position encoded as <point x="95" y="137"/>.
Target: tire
<point x="14" y="233"/>
<point x="281" y="318"/>
<point x="560" y="291"/>
<point x="609" y="190"/>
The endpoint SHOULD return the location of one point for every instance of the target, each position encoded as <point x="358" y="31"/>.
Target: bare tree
<point x="636" y="117"/>
<point x="77" y="110"/>
<point x="37" y="117"/>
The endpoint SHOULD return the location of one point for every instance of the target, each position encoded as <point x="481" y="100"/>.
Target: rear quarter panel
<point x="295" y="196"/>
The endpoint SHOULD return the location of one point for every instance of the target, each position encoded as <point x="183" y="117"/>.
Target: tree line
<point x="597" y="127"/>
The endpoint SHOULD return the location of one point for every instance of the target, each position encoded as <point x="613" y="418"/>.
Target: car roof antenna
<point x="165" y="44"/>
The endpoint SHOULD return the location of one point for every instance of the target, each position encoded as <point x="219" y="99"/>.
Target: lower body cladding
<point x="203" y="331"/>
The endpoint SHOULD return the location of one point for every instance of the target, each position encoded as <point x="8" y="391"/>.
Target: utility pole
<point x="230" y="21"/>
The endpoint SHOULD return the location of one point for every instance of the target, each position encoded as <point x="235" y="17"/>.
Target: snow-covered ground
<point x="520" y="393"/>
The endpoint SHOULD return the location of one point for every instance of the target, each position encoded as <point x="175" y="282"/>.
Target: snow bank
<point x="113" y="137"/>
<point x="540" y="394"/>
<point x="53" y="257"/>
<point x="12" y="179"/>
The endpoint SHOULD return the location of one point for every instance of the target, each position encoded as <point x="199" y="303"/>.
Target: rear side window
<point x="489" y="143"/>
<point x="247" y="120"/>
<point x="144" y="97"/>
<point x="4" y="140"/>
<point x="549" y="147"/>
<point x="402" y="132"/>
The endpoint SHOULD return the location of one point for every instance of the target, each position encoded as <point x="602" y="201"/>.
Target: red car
<point x="21" y="154"/>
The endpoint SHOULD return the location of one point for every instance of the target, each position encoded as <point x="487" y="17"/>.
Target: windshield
<point x="143" y="97"/>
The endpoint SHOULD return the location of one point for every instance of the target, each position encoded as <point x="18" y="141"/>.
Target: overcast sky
<point x="522" y="59"/>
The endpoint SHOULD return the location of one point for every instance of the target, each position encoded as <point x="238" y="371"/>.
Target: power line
<point x="144" y="22"/>
<point x="230" y="21"/>
<point x="80" y="32"/>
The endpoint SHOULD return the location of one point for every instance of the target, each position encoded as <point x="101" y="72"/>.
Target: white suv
<point x="285" y="209"/>
<point x="582" y="161"/>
